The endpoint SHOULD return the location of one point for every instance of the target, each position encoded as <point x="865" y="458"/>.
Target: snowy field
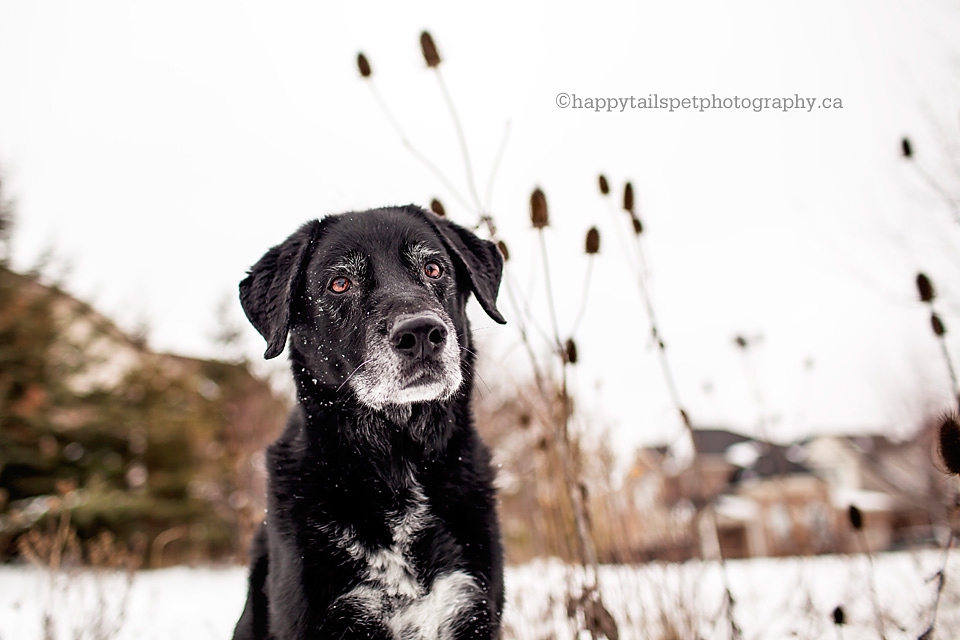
<point x="775" y="599"/>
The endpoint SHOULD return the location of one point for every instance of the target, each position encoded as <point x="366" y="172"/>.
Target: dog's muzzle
<point x="417" y="359"/>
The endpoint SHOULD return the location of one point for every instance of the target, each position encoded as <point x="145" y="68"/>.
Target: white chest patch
<point x="436" y="614"/>
<point x="391" y="590"/>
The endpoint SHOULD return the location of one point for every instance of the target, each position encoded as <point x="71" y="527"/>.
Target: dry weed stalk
<point x="855" y="516"/>
<point x="839" y="620"/>
<point x="703" y="504"/>
<point x="928" y="295"/>
<point x="948" y="437"/>
<point x="71" y="566"/>
<point x="940" y="577"/>
<point x="949" y="431"/>
<point x="907" y="152"/>
<point x="589" y="604"/>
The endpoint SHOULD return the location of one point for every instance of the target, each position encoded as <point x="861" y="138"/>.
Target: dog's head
<point x="374" y="303"/>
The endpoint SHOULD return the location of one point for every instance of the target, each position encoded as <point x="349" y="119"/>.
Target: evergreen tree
<point x="154" y="448"/>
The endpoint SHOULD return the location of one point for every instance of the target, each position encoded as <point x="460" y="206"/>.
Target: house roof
<point x="773" y="460"/>
<point x="716" y="441"/>
<point x="770" y="460"/>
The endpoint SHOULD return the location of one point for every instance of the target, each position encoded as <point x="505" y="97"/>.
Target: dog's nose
<point x="418" y="337"/>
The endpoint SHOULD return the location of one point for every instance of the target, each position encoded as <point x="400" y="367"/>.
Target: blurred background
<point x="729" y="331"/>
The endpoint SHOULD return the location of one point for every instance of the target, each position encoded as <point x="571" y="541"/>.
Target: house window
<point x="818" y="521"/>
<point x="779" y="522"/>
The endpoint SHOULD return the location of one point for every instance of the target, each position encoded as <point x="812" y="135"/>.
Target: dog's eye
<point x="339" y="284"/>
<point x="432" y="270"/>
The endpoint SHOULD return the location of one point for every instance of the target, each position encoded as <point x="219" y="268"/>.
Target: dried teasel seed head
<point x="856" y="518"/>
<point x="430" y="54"/>
<point x="593" y="241"/>
<point x="503" y="250"/>
<point x="628" y="197"/>
<point x="604" y="185"/>
<point x="949" y="443"/>
<point x="364" y="65"/>
<point x="637" y="225"/>
<point x="937" y="325"/>
<point x="538" y="209"/>
<point x="839" y="617"/>
<point x="598" y="620"/>
<point x="906" y="148"/>
<point x="925" y="287"/>
<point x="66" y="486"/>
<point x="437" y="207"/>
<point x="570" y="351"/>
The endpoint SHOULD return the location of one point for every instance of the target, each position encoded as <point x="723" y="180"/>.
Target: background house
<point x="776" y="500"/>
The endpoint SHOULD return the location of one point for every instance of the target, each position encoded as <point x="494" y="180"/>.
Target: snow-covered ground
<point x="775" y="599"/>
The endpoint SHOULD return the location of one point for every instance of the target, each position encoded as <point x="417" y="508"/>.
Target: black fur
<point x="345" y="470"/>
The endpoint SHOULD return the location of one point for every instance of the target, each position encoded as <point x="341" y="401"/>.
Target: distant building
<point x="774" y="500"/>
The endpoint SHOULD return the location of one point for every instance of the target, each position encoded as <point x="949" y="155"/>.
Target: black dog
<point x="381" y="519"/>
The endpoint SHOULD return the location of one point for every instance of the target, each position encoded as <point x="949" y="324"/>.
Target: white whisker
<point x="351" y="374"/>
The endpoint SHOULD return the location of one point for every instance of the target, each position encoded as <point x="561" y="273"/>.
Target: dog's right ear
<point x="266" y="294"/>
<point x="480" y="259"/>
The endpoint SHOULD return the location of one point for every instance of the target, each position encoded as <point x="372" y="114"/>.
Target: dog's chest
<point x="392" y="592"/>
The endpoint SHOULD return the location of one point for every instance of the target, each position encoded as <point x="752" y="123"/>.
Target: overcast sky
<point x="159" y="148"/>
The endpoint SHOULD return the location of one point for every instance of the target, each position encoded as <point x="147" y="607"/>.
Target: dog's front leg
<point x="253" y="623"/>
<point x="482" y="623"/>
<point x="344" y="620"/>
<point x="482" y="559"/>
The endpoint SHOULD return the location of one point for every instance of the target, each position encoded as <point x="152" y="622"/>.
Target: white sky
<point x="161" y="147"/>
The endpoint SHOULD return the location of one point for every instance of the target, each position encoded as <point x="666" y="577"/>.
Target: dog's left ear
<point x="266" y="294"/>
<point x="480" y="259"/>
